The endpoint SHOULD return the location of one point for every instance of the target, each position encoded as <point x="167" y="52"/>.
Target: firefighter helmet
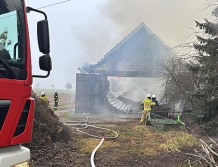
<point x="153" y="97"/>
<point x="148" y="95"/>
<point x="42" y="93"/>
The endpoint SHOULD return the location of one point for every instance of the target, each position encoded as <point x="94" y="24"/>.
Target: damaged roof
<point x="138" y="53"/>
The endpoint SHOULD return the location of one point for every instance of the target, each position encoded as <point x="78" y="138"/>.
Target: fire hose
<point x="99" y="137"/>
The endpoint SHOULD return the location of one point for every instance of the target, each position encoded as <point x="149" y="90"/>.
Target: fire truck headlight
<point x="23" y="164"/>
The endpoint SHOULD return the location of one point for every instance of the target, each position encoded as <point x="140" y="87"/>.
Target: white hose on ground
<point x="93" y="152"/>
<point x="86" y="126"/>
<point x="100" y="137"/>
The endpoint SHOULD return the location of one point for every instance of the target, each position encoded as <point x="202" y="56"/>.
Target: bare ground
<point x="56" y="145"/>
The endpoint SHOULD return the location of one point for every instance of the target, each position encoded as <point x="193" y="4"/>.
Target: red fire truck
<point x="16" y="104"/>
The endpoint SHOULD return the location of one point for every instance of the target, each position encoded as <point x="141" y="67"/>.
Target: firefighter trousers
<point x="145" y="116"/>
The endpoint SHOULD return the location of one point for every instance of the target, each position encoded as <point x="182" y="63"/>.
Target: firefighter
<point x="146" y="104"/>
<point x="56" y="100"/>
<point x="156" y="106"/>
<point x="33" y="94"/>
<point x="154" y="99"/>
<point x="44" y="97"/>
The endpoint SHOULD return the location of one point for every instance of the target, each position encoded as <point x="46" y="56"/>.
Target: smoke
<point x="172" y="21"/>
<point x="136" y="89"/>
<point x="94" y="41"/>
<point x="85" y="31"/>
<point x="168" y="19"/>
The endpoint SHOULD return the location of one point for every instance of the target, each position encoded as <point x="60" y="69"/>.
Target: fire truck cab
<point x="16" y="104"/>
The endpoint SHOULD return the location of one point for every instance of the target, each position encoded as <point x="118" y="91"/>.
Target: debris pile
<point x="51" y="141"/>
<point x="207" y="156"/>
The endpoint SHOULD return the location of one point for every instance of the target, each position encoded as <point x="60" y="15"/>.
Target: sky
<point x="83" y="31"/>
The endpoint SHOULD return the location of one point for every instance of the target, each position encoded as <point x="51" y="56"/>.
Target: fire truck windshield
<point x="12" y="37"/>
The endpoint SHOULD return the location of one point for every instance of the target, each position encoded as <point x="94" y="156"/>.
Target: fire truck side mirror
<point x="43" y="36"/>
<point x="45" y="63"/>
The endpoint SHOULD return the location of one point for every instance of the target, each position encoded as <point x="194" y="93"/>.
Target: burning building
<point x="133" y="64"/>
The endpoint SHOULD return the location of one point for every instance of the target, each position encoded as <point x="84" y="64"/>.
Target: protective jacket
<point x="147" y="103"/>
<point x="56" y="97"/>
<point x="43" y="97"/>
<point x="155" y="101"/>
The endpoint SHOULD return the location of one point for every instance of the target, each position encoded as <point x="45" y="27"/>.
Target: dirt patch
<point x="54" y="144"/>
<point x="50" y="139"/>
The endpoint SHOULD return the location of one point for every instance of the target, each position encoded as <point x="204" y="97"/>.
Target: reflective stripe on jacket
<point x="56" y="97"/>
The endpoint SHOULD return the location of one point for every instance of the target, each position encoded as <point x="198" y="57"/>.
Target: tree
<point x="4" y="42"/>
<point x="36" y="85"/>
<point x="207" y="74"/>
<point x="68" y="86"/>
<point x="177" y="79"/>
<point x="192" y="75"/>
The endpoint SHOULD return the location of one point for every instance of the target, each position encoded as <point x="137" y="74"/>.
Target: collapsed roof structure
<point x="137" y="55"/>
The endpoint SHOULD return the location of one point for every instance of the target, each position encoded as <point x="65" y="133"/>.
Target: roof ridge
<point x="140" y="26"/>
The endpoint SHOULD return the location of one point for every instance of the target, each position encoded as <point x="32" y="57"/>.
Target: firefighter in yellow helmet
<point x="146" y="104"/>
<point x="44" y="97"/>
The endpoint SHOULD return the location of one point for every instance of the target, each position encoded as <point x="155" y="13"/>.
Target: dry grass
<point x="141" y="140"/>
<point x="87" y="145"/>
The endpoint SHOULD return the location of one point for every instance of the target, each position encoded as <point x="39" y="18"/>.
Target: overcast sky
<point x="83" y="31"/>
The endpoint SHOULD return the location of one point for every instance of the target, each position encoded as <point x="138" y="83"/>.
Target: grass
<point x="141" y="140"/>
<point x="87" y="145"/>
<point x="133" y="138"/>
<point x="70" y="115"/>
<point x="66" y="98"/>
<point x="156" y="141"/>
<point x="175" y="140"/>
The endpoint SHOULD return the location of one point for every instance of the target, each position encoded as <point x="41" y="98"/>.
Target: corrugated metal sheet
<point x="112" y="99"/>
<point x="91" y="93"/>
